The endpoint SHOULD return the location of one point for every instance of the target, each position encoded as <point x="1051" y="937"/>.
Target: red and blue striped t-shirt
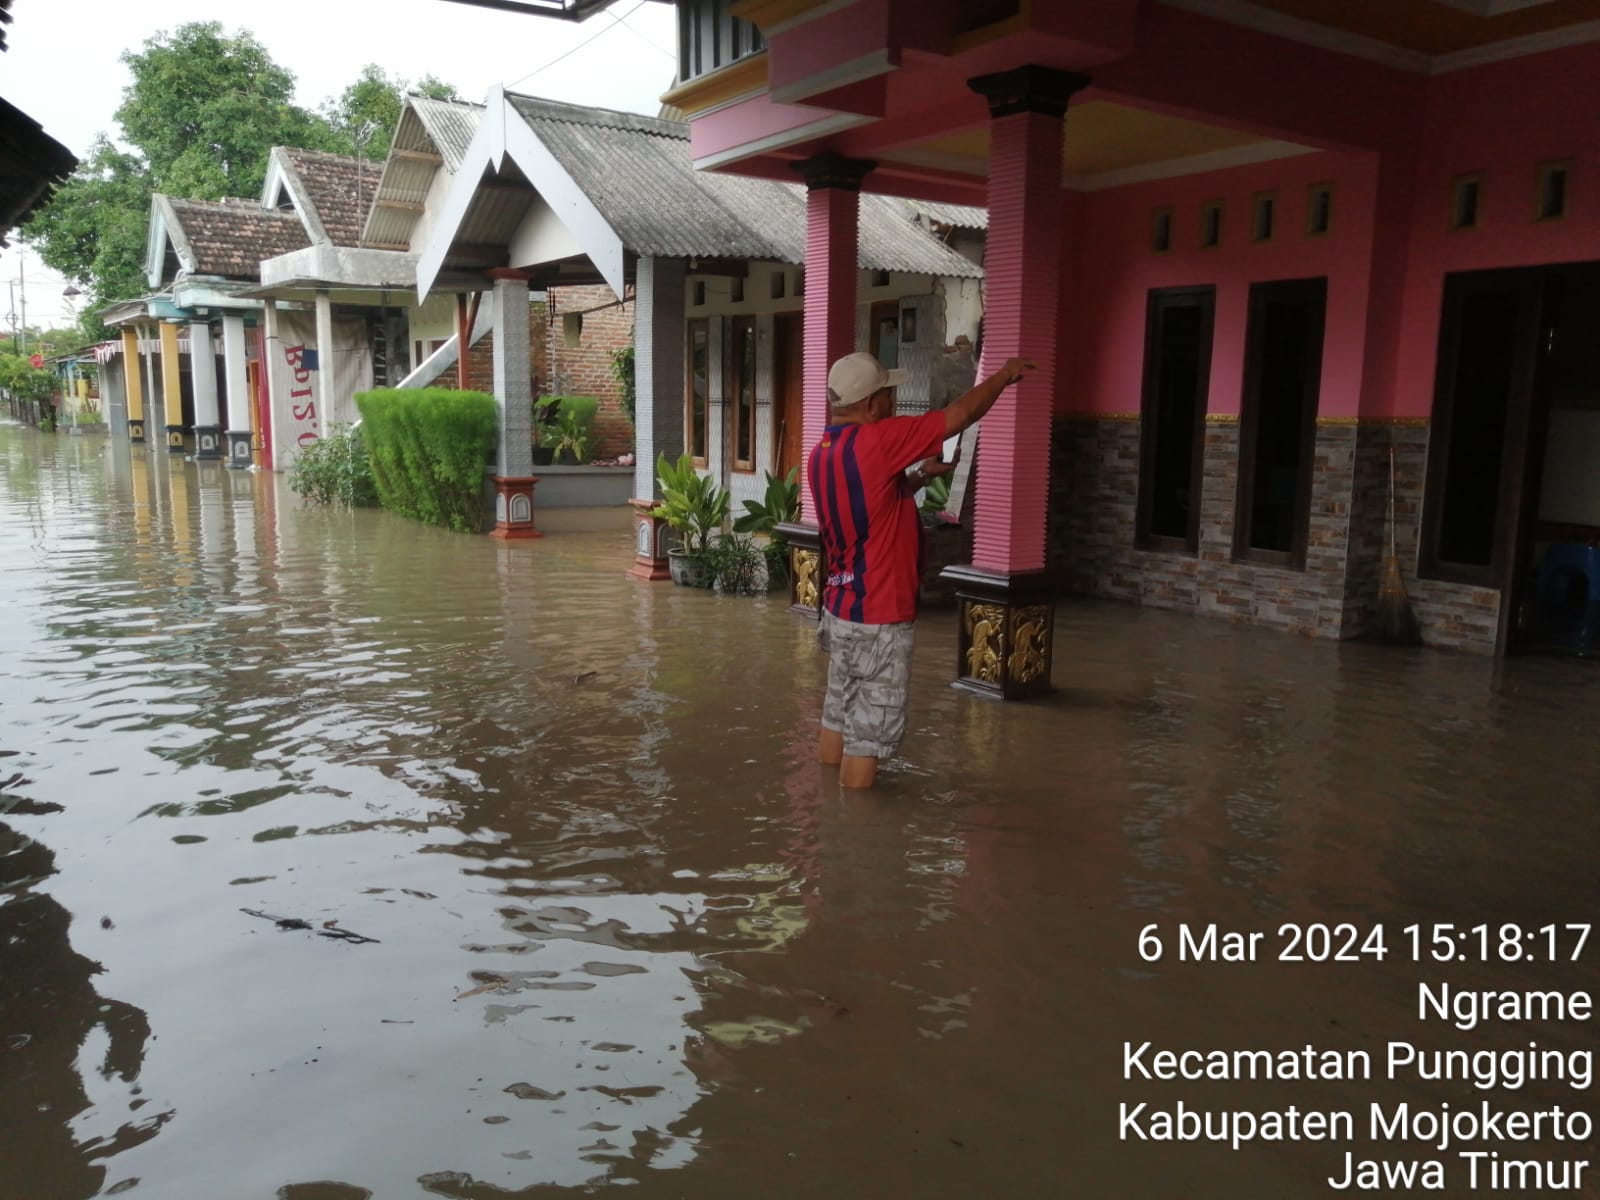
<point x="871" y="534"/>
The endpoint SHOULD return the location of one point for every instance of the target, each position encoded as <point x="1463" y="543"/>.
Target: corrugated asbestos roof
<point x="449" y="123"/>
<point x="442" y="127"/>
<point x="957" y="216"/>
<point x="231" y="237"/>
<point x="638" y="173"/>
<point x="340" y="188"/>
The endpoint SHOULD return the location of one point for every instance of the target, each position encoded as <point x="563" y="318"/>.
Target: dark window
<point x="1161" y="230"/>
<point x="741" y="390"/>
<point x="1278" y="422"/>
<point x="709" y="36"/>
<point x="1553" y="191"/>
<point x="698" y="387"/>
<point x="1486" y="349"/>
<point x="699" y="290"/>
<point x="1261" y="217"/>
<point x="1319" y="208"/>
<point x="777" y="285"/>
<point x="1211" y="224"/>
<point x="1177" y="371"/>
<point x="1464" y="203"/>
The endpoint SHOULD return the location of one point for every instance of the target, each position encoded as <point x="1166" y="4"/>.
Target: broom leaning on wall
<point x="1397" y="624"/>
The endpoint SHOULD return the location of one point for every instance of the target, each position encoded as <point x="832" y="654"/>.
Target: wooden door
<point x="788" y="378"/>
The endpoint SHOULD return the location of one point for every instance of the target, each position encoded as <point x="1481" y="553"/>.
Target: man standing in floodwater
<point x="872" y="544"/>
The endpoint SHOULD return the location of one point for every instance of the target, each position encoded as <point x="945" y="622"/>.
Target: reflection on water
<point x="625" y="930"/>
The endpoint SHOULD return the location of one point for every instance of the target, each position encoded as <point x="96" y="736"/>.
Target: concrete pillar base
<point x="807" y="570"/>
<point x="175" y="439"/>
<point x="1005" y="635"/>
<point x="208" y="442"/>
<point x="649" y="543"/>
<point x="513" y="507"/>
<point x="136" y="430"/>
<point x="241" y="450"/>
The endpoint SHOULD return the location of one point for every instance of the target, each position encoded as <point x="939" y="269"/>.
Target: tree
<point x="205" y="110"/>
<point x="93" y="230"/>
<point x="24" y="381"/>
<point x="200" y="117"/>
<point x="362" y="119"/>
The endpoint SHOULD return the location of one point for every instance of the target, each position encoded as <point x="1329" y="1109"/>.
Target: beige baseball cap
<point x="856" y="376"/>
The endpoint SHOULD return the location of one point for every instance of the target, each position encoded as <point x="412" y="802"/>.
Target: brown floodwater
<point x="626" y="932"/>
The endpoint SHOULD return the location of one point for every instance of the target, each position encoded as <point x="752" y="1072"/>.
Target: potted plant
<point x="695" y="507"/>
<point x="780" y="504"/>
<point x="544" y="416"/>
<point x="571" y="440"/>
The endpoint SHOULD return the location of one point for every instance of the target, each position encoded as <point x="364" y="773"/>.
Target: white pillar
<point x="511" y="374"/>
<point x="236" y="373"/>
<point x="325" y="397"/>
<point x="203" y="375"/>
<point x="277" y="446"/>
<point x="658" y="352"/>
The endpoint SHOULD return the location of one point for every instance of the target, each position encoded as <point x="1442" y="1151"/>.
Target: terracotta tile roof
<point x="231" y="237"/>
<point x="340" y="188"/>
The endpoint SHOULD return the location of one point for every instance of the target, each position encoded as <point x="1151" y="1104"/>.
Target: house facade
<point x="1260" y="252"/>
<point x="711" y="267"/>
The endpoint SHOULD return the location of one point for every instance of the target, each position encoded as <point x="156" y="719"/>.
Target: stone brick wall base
<point x="1093" y="508"/>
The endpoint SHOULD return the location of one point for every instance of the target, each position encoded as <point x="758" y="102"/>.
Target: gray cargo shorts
<point x="869" y="683"/>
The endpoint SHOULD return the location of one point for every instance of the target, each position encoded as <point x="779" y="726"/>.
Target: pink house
<point x="1260" y="250"/>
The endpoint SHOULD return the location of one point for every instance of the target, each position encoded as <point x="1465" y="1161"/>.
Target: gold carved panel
<point x="807" y="589"/>
<point x="985" y="626"/>
<point x="1030" y="643"/>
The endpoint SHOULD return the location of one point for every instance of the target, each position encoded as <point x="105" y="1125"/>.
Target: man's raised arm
<point x="965" y="411"/>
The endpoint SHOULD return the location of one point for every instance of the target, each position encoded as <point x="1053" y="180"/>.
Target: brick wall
<point x="1093" y="507"/>
<point x="480" y="366"/>
<point x="585" y="369"/>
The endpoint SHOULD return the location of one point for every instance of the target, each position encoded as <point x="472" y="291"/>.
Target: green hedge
<point x="428" y="447"/>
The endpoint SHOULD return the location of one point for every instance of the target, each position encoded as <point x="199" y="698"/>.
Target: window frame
<point x="742" y="426"/>
<point x="1157" y="301"/>
<point x="1315" y="290"/>
<point x="693" y="325"/>
<point x="1458" y="188"/>
<point x="1314" y="190"/>
<point x="1459" y="288"/>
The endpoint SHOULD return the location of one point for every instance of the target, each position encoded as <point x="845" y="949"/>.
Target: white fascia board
<point x="486" y="149"/>
<point x="588" y="229"/>
<point x="164" y="227"/>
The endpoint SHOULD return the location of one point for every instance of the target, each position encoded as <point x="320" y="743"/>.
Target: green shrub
<point x="622" y="369"/>
<point x="736" y="563"/>
<point x="334" y="470"/>
<point x="691" y="503"/>
<point x="428" y="447"/>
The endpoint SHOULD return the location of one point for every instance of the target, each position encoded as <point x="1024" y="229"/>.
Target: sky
<point x="63" y="68"/>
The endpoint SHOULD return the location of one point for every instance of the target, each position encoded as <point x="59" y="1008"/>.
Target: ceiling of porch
<point x="1107" y="144"/>
<point x="1432" y="28"/>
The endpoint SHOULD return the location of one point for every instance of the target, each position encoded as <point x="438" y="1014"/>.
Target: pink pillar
<point x="833" y="218"/>
<point x="1022" y="292"/>
<point x="1006" y="632"/>
<point x="833" y="215"/>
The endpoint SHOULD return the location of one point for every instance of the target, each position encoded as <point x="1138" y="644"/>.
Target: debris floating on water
<point x="330" y="929"/>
